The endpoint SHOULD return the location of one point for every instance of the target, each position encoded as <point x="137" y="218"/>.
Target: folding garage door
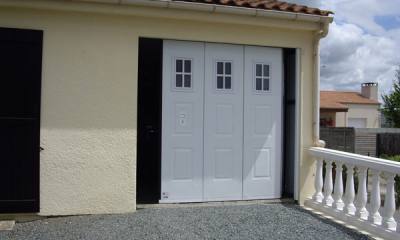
<point x="221" y="122"/>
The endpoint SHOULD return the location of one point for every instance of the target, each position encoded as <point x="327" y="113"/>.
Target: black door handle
<point x="150" y="129"/>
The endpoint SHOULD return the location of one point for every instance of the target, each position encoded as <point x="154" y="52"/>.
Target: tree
<point x="391" y="102"/>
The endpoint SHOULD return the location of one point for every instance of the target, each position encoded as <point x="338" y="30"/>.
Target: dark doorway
<point x="21" y="65"/>
<point x="289" y="133"/>
<point x="149" y="120"/>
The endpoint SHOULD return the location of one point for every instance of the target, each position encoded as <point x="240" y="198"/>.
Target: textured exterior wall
<point x="89" y="97"/>
<point x="341" y="119"/>
<point x="370" y="112"/>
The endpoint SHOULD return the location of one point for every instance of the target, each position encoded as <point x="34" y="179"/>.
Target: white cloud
<point x="357" y="49"/>
<point x="350" y="56"/>
<point x="362" y="12"/>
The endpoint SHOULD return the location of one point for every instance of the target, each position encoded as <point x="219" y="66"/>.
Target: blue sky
<point x="363" y="44"/>
<point x="388" y="21"/>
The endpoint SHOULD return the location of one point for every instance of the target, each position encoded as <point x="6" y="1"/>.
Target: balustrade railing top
<point x="349" y="206"/>
<point x="356" y="159"/>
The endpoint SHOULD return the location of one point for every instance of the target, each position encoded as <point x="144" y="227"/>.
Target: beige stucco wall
<point x="89" y="94"/>
<point x="368" y="111"/>
<point x="341" y="119"/>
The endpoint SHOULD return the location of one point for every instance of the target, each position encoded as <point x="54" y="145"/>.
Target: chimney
<point x="370" y="90"/>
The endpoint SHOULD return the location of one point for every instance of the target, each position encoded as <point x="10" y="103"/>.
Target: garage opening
<point x="211" y="122"/>
<point x="149" y="121"/>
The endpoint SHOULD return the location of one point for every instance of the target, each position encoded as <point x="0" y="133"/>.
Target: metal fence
<point x="388" y="144"/>
<point x="365" y="141"/>
<point x="338" y="138"/>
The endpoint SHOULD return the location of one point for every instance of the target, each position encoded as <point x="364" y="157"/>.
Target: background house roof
<point x="266" y="5"/>
<point x="337" y="100"/>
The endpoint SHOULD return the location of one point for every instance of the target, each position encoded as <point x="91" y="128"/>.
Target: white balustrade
<point x="318" y="196"/>
<point x="338" y="191"/>
<point x="390" y="204"/>
<point x="350" y="193"/>
<point x="375" y="202"/>
<point x="328" y="185"/>
<point x="347" y="206"/>
<point x="362" y="194"/>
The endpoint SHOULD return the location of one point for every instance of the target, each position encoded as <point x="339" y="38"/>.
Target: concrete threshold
<point x="7" y="225"/>
<point x="21" y="217"/>
<point x="215" y="203"/>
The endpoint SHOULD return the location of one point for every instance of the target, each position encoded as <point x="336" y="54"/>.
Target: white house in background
<point x="351" y="109"/>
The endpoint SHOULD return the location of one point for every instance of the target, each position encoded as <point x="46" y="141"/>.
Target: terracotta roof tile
<point x="266" y="5"/>
<point x="337" y="100"/>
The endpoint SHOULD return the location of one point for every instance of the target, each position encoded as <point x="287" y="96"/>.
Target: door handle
<point x="150" y="129"/>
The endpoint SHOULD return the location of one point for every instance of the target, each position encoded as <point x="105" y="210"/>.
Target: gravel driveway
<point x="254" y="221"/>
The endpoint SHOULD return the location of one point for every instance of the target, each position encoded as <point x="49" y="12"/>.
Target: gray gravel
<point x="256" y="221"/>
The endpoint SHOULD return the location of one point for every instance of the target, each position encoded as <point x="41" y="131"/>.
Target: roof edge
<point x="226" y="14"/>
<point x="215" y="8"/>
<point x="334" y="109"/>
<point x="218" y="8"/>
<point x="371" y="103"/>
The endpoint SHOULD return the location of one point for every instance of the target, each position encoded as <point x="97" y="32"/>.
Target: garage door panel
<point x="183" y="118"/>
<point x="262" y="120"/>
<point x="262" y="161"/>
<point x="183" y="164"/>
<point x="224" y="117"/>
<point x="223" y="121"/>
<point x="223" y="163"/>
<point x="182" y="122"/>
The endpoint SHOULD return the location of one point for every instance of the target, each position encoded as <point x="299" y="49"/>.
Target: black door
<point x="21" y="64"/>
<point x="149" y="121"/>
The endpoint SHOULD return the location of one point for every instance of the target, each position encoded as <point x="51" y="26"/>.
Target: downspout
<point x="321" y="33"/>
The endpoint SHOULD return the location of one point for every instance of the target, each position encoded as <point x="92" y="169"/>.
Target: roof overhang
<point x="361" y="103"/>
<point x="222" y="9"/>
<point x="103" y="6"/>
<point x="334" y="109"/>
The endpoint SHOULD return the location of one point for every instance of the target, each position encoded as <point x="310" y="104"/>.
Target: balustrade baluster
<point x="349" y="194"/>
<point x="390" y="205"/>
<point x="338" y="190"/>
<point x="318" y="184"/>
<point x="375" y="203"/>
<point x="362" y="196"/>
<point x="328" y="185"/>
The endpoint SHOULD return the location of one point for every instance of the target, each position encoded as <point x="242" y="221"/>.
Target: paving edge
<point x="214" y="204"/>
<point x="342" y="223"/>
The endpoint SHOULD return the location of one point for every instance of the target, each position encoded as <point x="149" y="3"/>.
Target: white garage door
<point x="357" y="122"/>
<point x="221" y="122"/>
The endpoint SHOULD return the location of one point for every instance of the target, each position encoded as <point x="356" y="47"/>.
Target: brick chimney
<point x="370" y="90"/>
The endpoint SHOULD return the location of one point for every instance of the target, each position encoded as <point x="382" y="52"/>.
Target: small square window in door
<point x="224" y="75"/>
<point x="262" y="77"/>
<point x="183" y="73"/>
